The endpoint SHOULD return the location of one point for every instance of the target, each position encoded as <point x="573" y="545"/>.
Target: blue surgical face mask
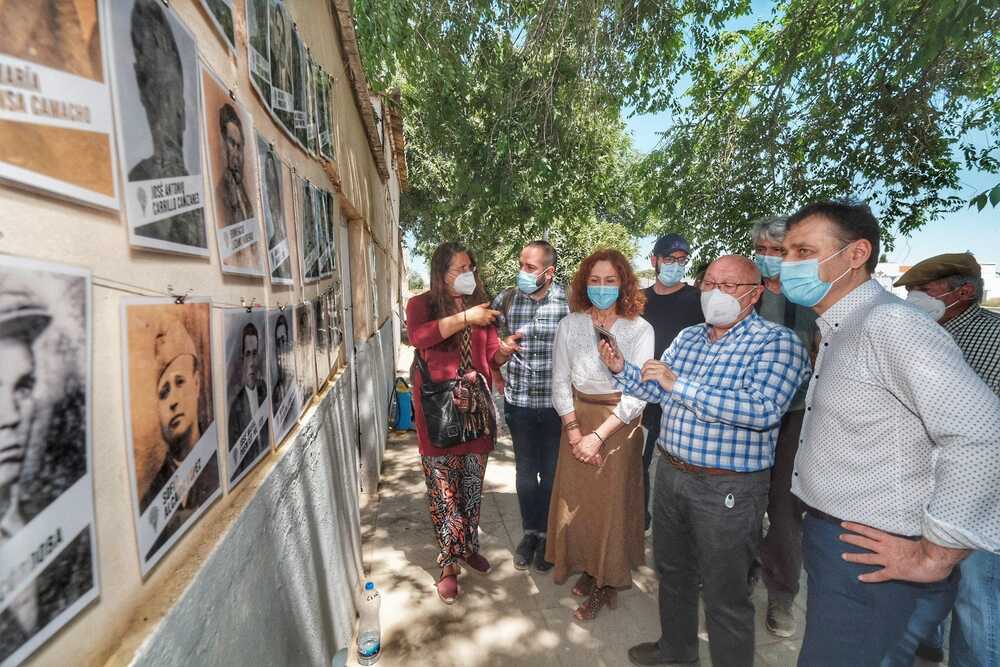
<point x="800" y="281"/>
<point x="670" y="274"/>
<point x="769" y="265"/>
<point x="528" y="282"/>
<point x="602" y="296"/>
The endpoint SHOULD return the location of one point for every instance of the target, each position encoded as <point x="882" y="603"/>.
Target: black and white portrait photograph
<point x="321" y="340"/>
<point x="305" y="365"/>
<point x="281" y="57"/>
<point x="307" y="211"/>
<point x="223" y="15"/>
<point x="285" y="403"/>
<point x="56" y="102"/>
<point x="48" y="569"/>
<point x="170" y="419"/>
<point x="233" y="171"/>
<point x="248" y="397"/>
<point x="155" y="66"/>
<point x="301" y="90"/>
<point x="258" y="54"/>
<point x="324" y="123"/>
<point x="272" y="195"/>
<point x="323" y="228"/>
<point x="331" y="298"/>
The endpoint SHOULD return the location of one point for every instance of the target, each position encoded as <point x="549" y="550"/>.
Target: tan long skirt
<point x="596" y="514"/>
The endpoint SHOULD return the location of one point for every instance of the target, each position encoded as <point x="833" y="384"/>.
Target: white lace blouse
<point x="576" y="362"/>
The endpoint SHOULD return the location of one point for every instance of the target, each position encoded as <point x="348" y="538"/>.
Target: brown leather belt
<point x="687" y="467"/>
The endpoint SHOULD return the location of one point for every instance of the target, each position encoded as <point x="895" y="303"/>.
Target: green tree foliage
<point x="883" y="101"/>
<point x="512" y="115"/>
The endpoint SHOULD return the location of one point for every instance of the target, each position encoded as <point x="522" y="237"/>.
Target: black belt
<point x="819" y="514"/>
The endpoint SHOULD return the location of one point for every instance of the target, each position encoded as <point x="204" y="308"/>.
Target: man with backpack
<point x="530" y="315"/>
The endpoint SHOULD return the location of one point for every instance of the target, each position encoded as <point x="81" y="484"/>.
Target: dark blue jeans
<point x="535" y="433"/>
<point x="855" y="624"/>
<point x="975" y="626"/>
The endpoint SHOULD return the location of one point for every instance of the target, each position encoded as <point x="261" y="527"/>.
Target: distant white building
<point x="889" y="272"/>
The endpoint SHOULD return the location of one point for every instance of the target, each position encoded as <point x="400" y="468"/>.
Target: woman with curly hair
<point x="596" y="515"/>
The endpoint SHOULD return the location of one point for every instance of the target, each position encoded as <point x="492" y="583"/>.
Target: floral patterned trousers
<point x="455" y="494"/>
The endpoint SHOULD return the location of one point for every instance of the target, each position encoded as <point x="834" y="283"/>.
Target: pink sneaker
<point x="478" y="562"/>
<point x="447" y="588"/>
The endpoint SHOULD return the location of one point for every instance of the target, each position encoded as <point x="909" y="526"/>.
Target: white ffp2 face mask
<point x="931" y="305"/>
<point x="721" y="309"/>
<point x="465" y="283"/>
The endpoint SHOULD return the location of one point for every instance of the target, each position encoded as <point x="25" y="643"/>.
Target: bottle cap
<point x="369" y="586"/>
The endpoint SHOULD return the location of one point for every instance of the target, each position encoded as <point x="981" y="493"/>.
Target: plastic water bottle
<point x="369" y="631"/>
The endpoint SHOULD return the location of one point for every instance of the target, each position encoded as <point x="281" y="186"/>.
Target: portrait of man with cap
<point x="43" y="439"/>
<point x="671" y="305"/>
<point x="949" y="288"/>
<point x="171" y="405"/>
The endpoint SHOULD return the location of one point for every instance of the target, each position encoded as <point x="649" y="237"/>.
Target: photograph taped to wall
<point x="223" y="15"/>
<point x="170" y="419"/>
<point x="324" y="88"/>
<point x="55" y="100"/>
<point x="48" y="555"/>
<point x="248" y="401"/>
<point x="282" y="101"/>
<point x="309" y="247"/>
<point x="332" y="297"/>
<point x="305" y="366"/>
<point x="286" y="402"/>
<point x="233" y="171"/>
<point x="329" y="213"/>
<point x="321" y="201"/>
<point x="258" y="53"/>
<point x="155" y="74"/>
<point x="272" y="195"/>
<point x="321" y="341"/>
<point x="303" y="91"/>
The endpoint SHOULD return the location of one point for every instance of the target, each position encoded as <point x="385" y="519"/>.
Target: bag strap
<point x="425" y="374"/>
<point x="466" y="351"/>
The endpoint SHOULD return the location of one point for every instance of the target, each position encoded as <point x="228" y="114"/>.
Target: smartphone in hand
<point x="604" y="334"/>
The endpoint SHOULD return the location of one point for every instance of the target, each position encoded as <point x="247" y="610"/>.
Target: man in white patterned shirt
<point x="949" y="288"/>
<point x="899" y="460"/>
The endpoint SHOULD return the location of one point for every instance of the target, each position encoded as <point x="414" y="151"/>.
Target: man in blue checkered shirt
<point x="529" y="316"/>
<point x="724" y="387"/>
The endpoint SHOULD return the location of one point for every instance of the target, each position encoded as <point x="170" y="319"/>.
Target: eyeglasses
<point x="728" y="288"/>
<point x="683" y="261"/>
<point x="462" y="269"/>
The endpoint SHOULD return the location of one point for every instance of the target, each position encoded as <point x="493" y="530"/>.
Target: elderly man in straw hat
<point x="949" y="288"/>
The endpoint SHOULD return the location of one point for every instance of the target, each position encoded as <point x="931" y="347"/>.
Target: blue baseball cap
<point x="669" y="243"/>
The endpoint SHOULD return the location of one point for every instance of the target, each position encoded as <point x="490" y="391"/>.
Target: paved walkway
<point x="508" y="617"/>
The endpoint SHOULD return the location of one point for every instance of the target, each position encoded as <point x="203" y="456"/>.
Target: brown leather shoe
<point x="605" y="595"/>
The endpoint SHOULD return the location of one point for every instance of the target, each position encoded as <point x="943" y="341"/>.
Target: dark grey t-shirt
<point x="669" y="313"/>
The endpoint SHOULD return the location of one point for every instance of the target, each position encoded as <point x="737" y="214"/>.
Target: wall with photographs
<point x="201" y="168"/>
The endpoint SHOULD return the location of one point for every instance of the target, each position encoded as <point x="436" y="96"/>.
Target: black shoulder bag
<point x="458" y="410"/>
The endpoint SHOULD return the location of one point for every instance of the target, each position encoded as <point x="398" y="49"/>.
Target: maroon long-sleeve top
<point x="442" y="362"/>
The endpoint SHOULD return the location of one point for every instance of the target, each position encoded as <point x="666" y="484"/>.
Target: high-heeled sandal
<point x="584" y="586"/>
<point x="605" y="595"/>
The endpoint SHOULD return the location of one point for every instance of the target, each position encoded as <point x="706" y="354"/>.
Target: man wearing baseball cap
<point x="671" y="305"/>
<point x="949" y="288"/>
